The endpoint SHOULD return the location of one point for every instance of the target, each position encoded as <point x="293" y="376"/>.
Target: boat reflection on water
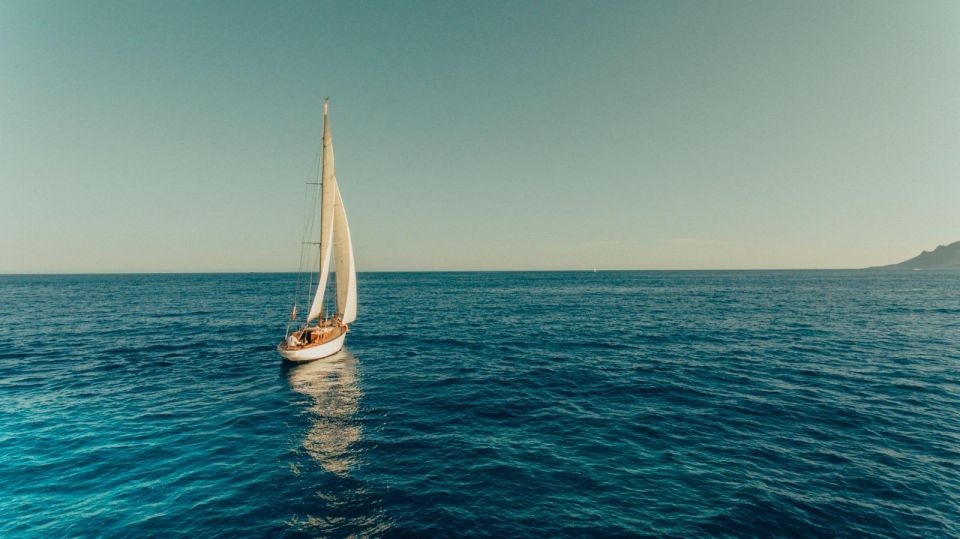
<point x="342" y="505"/>
<point x="332" y="384"/>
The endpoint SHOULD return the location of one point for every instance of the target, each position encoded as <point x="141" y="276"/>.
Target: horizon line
<point x="580" y="270"/>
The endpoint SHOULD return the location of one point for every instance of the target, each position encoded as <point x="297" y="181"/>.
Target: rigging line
<point x="304" y="231"/>
<point x="311" y="204"/>
<point x="298" y="290"/>
<point x="302" y="280"/>
<point x="297" y="284"/>
<point x="317" y="201"/>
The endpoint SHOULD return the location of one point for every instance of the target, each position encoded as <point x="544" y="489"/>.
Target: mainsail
<point x="328" y="199"/>
<point x="334" y="236"/>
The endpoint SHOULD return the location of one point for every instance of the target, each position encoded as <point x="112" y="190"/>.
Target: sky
<point x="177" y="136"/>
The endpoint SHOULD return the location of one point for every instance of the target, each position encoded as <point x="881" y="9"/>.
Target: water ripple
<point x="668" y="404"/>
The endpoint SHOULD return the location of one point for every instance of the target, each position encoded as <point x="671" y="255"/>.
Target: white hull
<point x="311" y="353"/>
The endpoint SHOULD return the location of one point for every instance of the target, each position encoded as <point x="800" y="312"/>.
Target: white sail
<point x="328" y="199"/>
<point x="345" y="266"/>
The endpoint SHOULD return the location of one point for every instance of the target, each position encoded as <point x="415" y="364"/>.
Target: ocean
<point x="534" y="404"/>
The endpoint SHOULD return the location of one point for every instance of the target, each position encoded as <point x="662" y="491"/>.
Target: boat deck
<point x="314" y="336"/>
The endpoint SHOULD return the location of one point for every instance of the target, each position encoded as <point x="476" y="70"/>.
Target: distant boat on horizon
<point x="324" y="330"/>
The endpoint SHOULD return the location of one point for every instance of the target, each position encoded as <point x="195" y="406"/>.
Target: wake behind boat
<point x="323" y="332"/>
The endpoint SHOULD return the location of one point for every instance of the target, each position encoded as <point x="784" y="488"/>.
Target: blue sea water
<point x="664" y="404"/>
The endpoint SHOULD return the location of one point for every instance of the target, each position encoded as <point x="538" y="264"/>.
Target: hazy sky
<point x="176" y="136"/>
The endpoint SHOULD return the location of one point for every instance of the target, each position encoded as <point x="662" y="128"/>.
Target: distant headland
<point x="943" y="257"/>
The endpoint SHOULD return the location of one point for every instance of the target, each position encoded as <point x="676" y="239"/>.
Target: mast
<point x="328" y="200"/>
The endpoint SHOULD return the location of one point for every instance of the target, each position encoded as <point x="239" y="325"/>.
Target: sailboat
<point x="323" y="332"/>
